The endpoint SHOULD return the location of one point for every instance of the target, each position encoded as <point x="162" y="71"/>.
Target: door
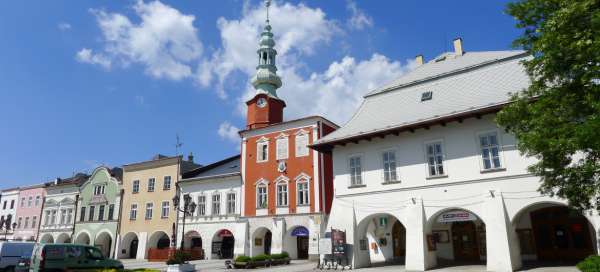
<point x="464" y="241"/>
<point x="268" y="242"/>
<point x="227" y="247"/>
<point x="561" y="234"/>
<point x="302" y="245"/>
<point x="133" y="248"/>
<point x="398" y="239"/>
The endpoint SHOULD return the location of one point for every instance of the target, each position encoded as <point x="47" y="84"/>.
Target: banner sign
<point x="456" y="216"/>
<point x="300" y="231"/>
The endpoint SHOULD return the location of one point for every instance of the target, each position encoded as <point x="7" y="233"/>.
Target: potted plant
<point x="179" y="262"/>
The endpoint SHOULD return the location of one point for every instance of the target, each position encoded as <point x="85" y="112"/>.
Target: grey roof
<point x="464" y="83"/>
<point x="229" y="166"/>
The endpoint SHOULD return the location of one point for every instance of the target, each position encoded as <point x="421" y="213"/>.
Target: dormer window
<point x="426" y="96"/>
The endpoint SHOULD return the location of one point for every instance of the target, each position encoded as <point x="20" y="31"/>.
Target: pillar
<point x="502" y="254"/>
<point x="277" y="233"/>
<point x="416" y="243"/>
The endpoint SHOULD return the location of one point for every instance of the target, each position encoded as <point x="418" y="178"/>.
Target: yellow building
<point x="147" y="215"/>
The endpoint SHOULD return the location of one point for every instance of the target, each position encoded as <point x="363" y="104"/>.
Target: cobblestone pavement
<point x="301" y="266"/>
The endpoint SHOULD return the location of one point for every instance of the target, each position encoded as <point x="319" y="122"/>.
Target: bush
<point x="179" y="257"/>
<point x="284" y="255"/>
<point x="242" y="259"/>
<point x="261" y="257"/>
<point x="590" y="264"/>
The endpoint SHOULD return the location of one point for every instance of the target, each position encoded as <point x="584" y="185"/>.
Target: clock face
<point x="261" y="103"/>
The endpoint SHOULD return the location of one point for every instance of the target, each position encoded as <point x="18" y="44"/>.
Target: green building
<point x="97" y="218"/>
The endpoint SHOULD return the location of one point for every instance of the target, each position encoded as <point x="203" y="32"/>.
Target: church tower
<point x="265" y="108"/>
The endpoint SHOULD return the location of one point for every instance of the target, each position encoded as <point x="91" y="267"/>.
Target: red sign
<point x="225" y="233"/>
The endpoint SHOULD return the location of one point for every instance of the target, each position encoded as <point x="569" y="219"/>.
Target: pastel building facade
<point x="60" y="207"/>
<point x="424" y="176"/>
<point x="8" y="212"/>
<point x="29" y="212"/>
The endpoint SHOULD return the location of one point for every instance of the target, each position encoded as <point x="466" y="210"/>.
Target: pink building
<point x="29" y="212"/>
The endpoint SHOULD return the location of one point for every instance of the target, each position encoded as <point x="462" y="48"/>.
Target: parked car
<point x="63" y="257"/>
<point x="12" y="252"/>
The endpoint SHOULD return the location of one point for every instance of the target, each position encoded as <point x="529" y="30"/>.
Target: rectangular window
<point x="490" y="150"/>
<point x="47" y="218"/>
<point x="389" y="166"/>
<point x="230" y="203"/>
<point x="261" y="197"/>
<point x="355" y="171"/>
<point x="23" y="202"/>
<point x="136" y="187"/>
<point x="63" y="216"/>
<point x="282" y="148"/>
<point x="34" y="222"/>
<point x="29" y="201"/>
<point x="69" y="216"/>
<point x="12" y="204"/>
<point x="216" y="204"/>
<point x="167" y="183"/>
<point x="201" y="205"/>
<point x="149" y="207"/>
<point x="151" y="182"/>
<point x="101" y="213"/>
<point x="91" y="213"/>
<point x="262" y="152"/>
<point x="111" y="211"/>
<point x="82" y="214"/>
<point x="302" y="145"/>
<point x="53" y="217"/>
<point x="303" y="193"/>
<point x="133" y="212"/>
<point x="19" y="222"/>
<point x="26" y="223"/>
<point x="165" y="209"/>
<point x="99" y="190"/>
<point x="4" y="205"/>
<point x="435" y="158"/>
<point x="37" y="200"/>
<point x="282" y="194"/>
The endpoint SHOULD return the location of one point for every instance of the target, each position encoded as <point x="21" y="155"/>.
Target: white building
<point x="215" y="225"/>
<point x="8" y="212"/>
<point x="425" y="177"/>
<point x="58" y="215"/>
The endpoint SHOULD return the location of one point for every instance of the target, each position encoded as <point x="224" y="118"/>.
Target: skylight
<point x="426" y="96"/>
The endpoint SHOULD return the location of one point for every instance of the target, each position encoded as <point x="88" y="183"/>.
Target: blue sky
<point x="84" y="83"/>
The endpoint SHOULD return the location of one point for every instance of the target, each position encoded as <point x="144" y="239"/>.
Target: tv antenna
<point x="178" y="144"/>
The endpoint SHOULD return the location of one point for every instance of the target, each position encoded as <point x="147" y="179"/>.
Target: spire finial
<point x="267" y="5"/>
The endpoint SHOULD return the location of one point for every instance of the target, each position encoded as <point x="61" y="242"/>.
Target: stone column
<point x="277" y="233"/>
<point x="416" y="243"/>
<point x="502" y="254"/>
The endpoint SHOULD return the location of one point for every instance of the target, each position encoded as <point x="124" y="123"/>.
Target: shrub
<point x="261" y="257"/>
<point x="242" y="259"/>
<point x="285" y="255"/>
<point x="179" y="257"/>
<point x="590" y="264"/>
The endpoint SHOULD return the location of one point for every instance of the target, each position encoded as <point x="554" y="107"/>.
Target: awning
<point x="225" y="233"/>
<point x="300" y="231"/>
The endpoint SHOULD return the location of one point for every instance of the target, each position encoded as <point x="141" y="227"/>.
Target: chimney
<point x="191" y="157"/>
<point x="419" y="60"/>
<point x="458" y="48"/>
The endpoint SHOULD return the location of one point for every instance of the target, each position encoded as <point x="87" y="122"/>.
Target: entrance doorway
<point x="398" y="239"/>
<point x="133" y="248"/>
<point x="561" y="234"/>
<point x="464" y="241"/>
<point x="268" y="237"/>
<point x="227" y="247"/>
<point x="302" y="245"/>
<point x="223" y="244"/>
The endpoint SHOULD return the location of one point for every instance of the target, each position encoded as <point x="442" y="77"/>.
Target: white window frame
<point x="262" y="142"/>
<point x="135" y="186"/>
<point x="26" y="225"/>
<point x="133" y="211"/>
<point x="300" y="149"/>
<point x="23" y="199"/>
<point x="215" y="203"/>
<point x="63" y="216"/>
<point x="148" y="214"/>
<point x="282" y="147"/>
<point x="38" y="199"/>
<point x="99" y="190"/>
<point x="69" y="215"/>
<point x="350" y="171"/>
<point x="383" y="166"/>
<point x="436" y="165"/>
<point x="231" y="202"/>
<point x="262" y="184"/>
<point x="201" y="205"/>
<point x="282" y="182"/>
<point x="487" y="133"/>
<point x="165" y="183"/>
<point x="165" y="209"/>
<point x="303" y="180"/>
<point x="34" y="221"/>
<point x="29" y="201"/>
<point x="151" y="181"/>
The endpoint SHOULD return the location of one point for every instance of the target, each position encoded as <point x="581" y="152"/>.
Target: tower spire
<point x="266" y="80"/>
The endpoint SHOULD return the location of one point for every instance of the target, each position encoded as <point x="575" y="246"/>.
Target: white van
<point x="12" y="252"/>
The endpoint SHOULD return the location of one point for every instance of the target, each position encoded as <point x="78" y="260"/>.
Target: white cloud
<point x="86" y="55"/>
<point x="64" y="26"/>
<point x="165" y="41"/>
<point x="229" y="132"/>
<point x="358" y="20"/>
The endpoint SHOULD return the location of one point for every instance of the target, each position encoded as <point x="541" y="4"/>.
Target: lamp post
<point x="188" y="208"/>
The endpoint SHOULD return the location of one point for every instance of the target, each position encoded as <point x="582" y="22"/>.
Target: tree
<point x="557" y="119"/>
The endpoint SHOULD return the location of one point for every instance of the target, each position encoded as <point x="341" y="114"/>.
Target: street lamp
<point x="188" y="208"/>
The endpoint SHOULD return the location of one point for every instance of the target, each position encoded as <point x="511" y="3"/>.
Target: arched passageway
<point x="129" y="246"/>
<point x="192" y="240"/>
<point x="104" y="243"/>
<point x="261" y="241"/>
<point x="222" y="246"/>
<point x="381" y="240"/>
<point x="552" y="232"/>
<point x="296" y="242"/>
<point x="47" y="239"/>
<point x="83" y="239"/>
<point x="63" y="238"/>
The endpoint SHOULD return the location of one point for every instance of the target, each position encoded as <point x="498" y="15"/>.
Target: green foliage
<point x="261" y="257"/>
<point x="590" y="264"/>
<point x="557" y="119"/>
<point x="282" y="255"/>
<point x="180" y="257"/>
<point x="243" y="259"/>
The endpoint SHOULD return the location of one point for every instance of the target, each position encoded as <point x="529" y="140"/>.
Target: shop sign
<point x="456" y="216"/>
<point x="300" y="231"/>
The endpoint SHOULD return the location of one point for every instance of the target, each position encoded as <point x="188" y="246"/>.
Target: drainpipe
<point x="174" y="242"/>
<point x="119" y="221"/>
<point x="39" y="223"/>
<point x="75" y="218"/>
